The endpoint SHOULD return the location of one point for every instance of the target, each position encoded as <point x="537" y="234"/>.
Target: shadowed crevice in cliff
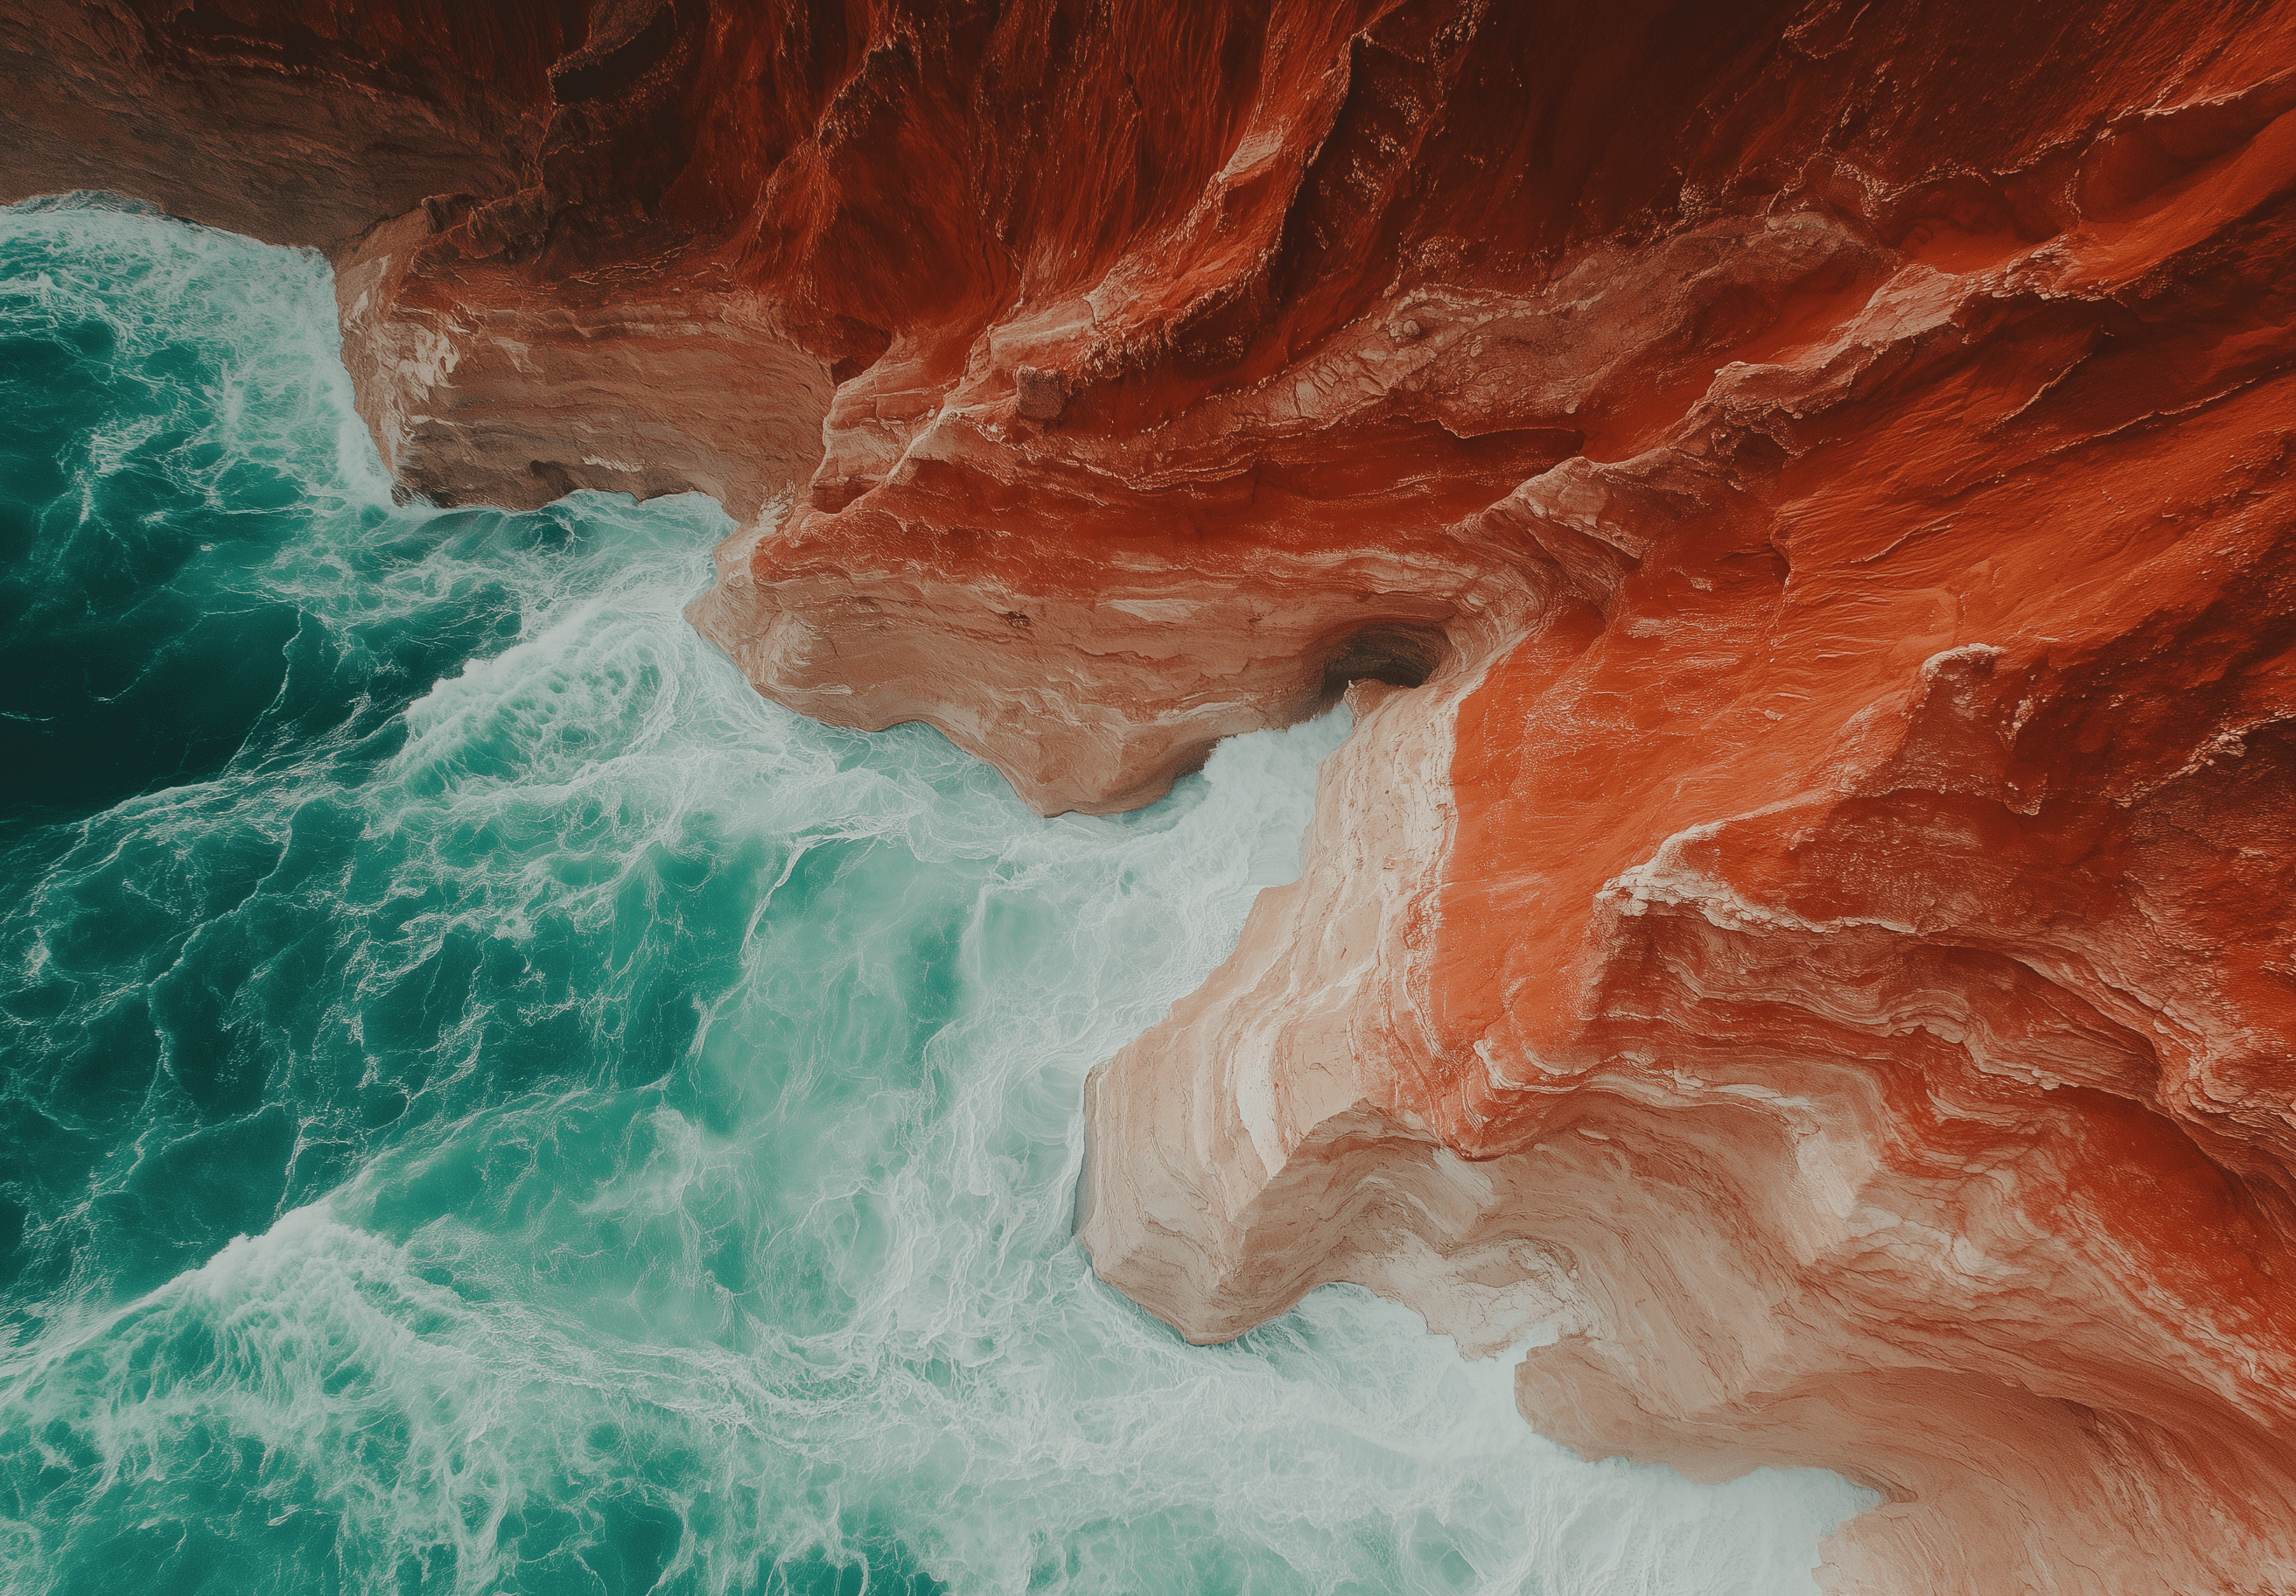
<point x="1399" y="655"/>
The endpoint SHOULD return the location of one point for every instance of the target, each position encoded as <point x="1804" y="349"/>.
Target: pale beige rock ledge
<point x="490" y="392"/>
<point x="1739" y="1272"/>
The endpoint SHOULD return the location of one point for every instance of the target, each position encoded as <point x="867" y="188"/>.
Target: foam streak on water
<point x="490" y="1104"/>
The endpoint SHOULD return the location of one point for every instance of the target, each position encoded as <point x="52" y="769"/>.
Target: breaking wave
<point x="492" y="1105"/>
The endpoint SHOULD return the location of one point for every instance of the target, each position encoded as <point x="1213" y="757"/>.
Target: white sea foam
<point x="792" y="1291"/>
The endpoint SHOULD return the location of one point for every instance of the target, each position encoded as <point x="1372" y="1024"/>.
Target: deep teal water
<point x="490" y="1105"/>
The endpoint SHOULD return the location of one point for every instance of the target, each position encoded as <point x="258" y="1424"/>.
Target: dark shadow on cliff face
<point x="1400" y="653"/>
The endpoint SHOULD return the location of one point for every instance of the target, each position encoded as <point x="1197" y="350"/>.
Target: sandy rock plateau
<point x="1801" y="493"/>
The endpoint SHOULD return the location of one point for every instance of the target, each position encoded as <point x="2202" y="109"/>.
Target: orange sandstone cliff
<point x="1800" y="491"/>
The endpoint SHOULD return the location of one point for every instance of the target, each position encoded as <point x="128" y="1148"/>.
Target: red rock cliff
<point x="1803" y="493"/>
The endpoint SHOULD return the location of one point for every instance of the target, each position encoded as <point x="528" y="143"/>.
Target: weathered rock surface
<point x="1801" y="490"/>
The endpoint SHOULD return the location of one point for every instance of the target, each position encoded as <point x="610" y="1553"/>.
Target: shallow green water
<point x="490" y="1104"/>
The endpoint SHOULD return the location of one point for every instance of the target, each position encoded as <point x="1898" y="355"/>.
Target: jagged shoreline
<point x="1797" y="499"/>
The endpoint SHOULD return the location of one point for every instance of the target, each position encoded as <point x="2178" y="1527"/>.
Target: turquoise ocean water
<point x="489" y="1104"/>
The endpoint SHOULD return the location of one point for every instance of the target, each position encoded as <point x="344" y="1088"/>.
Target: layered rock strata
<point x="1801" y="495"/>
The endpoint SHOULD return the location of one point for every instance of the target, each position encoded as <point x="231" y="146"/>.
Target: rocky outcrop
<point x="526" y="307"/>
<point x="482" y="386"/>
<point x="1800" y="493"/>
<point x="294" y="124"/>
<point x="1844" y="974"/>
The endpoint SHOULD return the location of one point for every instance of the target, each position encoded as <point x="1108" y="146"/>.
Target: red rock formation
<point x="1802" y="491"/>
<point x="297" y="124"/>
